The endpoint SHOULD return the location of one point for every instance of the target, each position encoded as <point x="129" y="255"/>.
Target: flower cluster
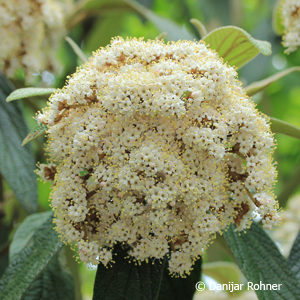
<point x="30" y="31"/>
<point x="157" y="148"/>
<point x="290" y="11"/>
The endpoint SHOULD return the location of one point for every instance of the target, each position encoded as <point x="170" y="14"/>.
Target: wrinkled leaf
<point x="235" y="45"/>
<point x="16" y="162"/>
<point x="294" y="257"/>
<point x="174" y="31"/>
<point x="260" y="260"/>
<point x="30" y="262"/>
<point x="279" y="126"/>
<point x="258" y="86"/>
<point x="53" y="283"/>
<point x="35" y="133"/>
<point x="146" y="281"/>
<point x="26" y="230"/>
<point x="29" y="92"/>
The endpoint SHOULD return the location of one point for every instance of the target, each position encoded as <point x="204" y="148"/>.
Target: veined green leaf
<point x="53" y="283"/>
<point x="16" y="162"/>
<point x="35" y="133"/>
<point x="279" y="126"/>
<point x="258" y="86"/>
<point x="148" y="281"/>
<point x="235" y="45"/>
<point x="277" y="18"/>
<point x="25" y="267"/>
<point x="26" y="230"/>
<point x="29" y="92"/>
<point x="260" y="261"/>
<point x="294" y="257"/>
<point x="174" y="31"/>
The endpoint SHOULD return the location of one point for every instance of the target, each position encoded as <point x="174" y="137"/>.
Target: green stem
<point x="73" y="266"/>
<point x="279" y="126"/>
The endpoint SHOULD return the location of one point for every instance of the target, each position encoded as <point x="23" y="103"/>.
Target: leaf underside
<point x="26" y="230"/>
<point x="30" y="262"/>
<point x="29" y="92"/>
<point x="294" y="257"/>
<point x="260" y="260"/>
<point x="53" y="283"/>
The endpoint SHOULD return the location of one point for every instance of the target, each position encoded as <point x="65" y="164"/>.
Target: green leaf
<point x="16" y="162"/>
<point x="174" y="31"/>
<point x="53" y="283"/>
<point x="277" y="18"/>
<point x="146" y="281"/>
<point x="258" y="86"/>
<point x="25" y="267"/>
<point x="76" y="49"/>
<point x="235" y="45"/>
<point x="83" y="172"/>
<point x="279" y="126"/>
<point x="294" y="257"/>
<point x="26" y="230"/>
<point x="35" y="133"/>
<point x="223" y="272"/>
<point x="4" y="242"/>
<point x="29" y="92"/>
<point x="260" y="260"/>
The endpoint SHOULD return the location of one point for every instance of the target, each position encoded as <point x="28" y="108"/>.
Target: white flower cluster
<point x="290" y="11"/>
<point x="157" y="148"/>
<point x="30" y="31"/>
